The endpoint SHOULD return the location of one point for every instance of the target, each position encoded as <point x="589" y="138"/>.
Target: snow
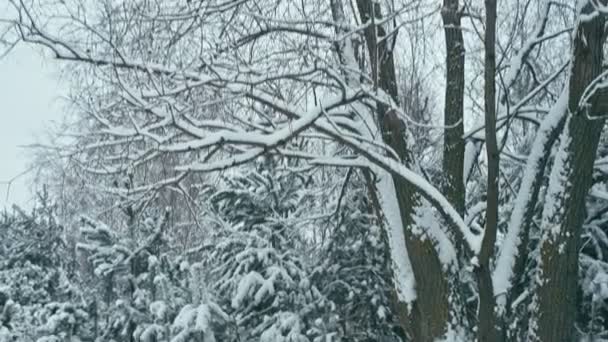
<point x="600" y="282"/>
<point x="176" y="131"/>
<point x="516" y="64"/>
<point x="5" y="335"/>
<point x="267" y="289"/>
<point x="587" y="17"/>
<point x="203" y="318"/>
<point x="246" y="285"/>
<point x="558" y="183"/>
<point x="186" y="317"/>
<point x="454" y="334"/>
<point x="159" y="310"/>
<point x="599" y="194"/>
<point x="381" y="312"/>
<point x="426" y="220"/>
<point x="385" y="168"/>
<point x="475" y="211"/>
<point x="433" y="195"/>
<point x="403" y="276"/>
<point x="262" y="141"/>
<point x="471" y="152"/>
<point x="310" y="118"/>
<point x="217" y="310"/>
<point x="287" y="328"/>
<point x="151" y="333"/>
<point x="302" y="120"/>
<point x="196" y="318"/>
<point x="348" y="51"/>
<point x="503" y="272"/>
<point x="402" y="269"/>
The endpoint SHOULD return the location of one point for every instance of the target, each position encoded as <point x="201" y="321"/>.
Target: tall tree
<point x="453" y="114"/>
<point x="427" y="318"/>
<point x="486" y="328"/>
<point x="571" y="176"/>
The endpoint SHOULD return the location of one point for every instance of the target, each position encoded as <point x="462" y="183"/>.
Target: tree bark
<point x="564" y="211"/>
<point x="427" y="319"/>
<point x="486" y="330"/>
<point x="528" y="202"/>
<point x="453" y="115"/>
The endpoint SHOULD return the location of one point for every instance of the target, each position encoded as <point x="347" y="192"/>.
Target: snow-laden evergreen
<point x="258" y="264"/>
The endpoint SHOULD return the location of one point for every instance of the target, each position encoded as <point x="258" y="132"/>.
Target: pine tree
<point x="353" y="271"/>
<point x="136" y="295"/>
<point x="38" y="301"/>
<point x="259" y="273"/>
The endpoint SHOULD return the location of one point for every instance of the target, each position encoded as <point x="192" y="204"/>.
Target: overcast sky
<point x="29" y="100"/>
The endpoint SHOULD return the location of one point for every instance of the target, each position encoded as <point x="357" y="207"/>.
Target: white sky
<point x="29" y="101"/>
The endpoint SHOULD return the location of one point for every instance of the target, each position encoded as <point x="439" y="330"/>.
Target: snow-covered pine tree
<point x="353" y="270"/>
<point x="258" y="266"/>
<point x="38" y="301"/>
<point x="160" y="293"/>
<point x="139" y="296"/>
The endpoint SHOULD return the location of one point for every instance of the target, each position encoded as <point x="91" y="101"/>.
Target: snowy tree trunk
<point x="426" y="319"/>
<point x="571" y="176"/>
<point x="511" y="262"/>
<point x="453" y="144"/>
<point x="486" y="330"/>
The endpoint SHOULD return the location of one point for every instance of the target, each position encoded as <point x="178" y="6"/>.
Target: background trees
<point x="280" y="136"/>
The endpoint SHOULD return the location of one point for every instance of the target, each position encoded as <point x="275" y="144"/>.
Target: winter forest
<point x="314" y="171"/>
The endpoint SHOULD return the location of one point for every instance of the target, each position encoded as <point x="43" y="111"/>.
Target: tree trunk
<point x="454" y="182"/>
<point x="521" y="218"/>
<point x="453" y="115"/>
<point x="564" y="211"/>
<point x="427" y="319"/>
<point x="486" y="330"/>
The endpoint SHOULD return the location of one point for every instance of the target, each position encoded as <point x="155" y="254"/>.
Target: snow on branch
<point x="525" y="201"/>
<point x="162" y="109"/>
<point x="538" y="36"/>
